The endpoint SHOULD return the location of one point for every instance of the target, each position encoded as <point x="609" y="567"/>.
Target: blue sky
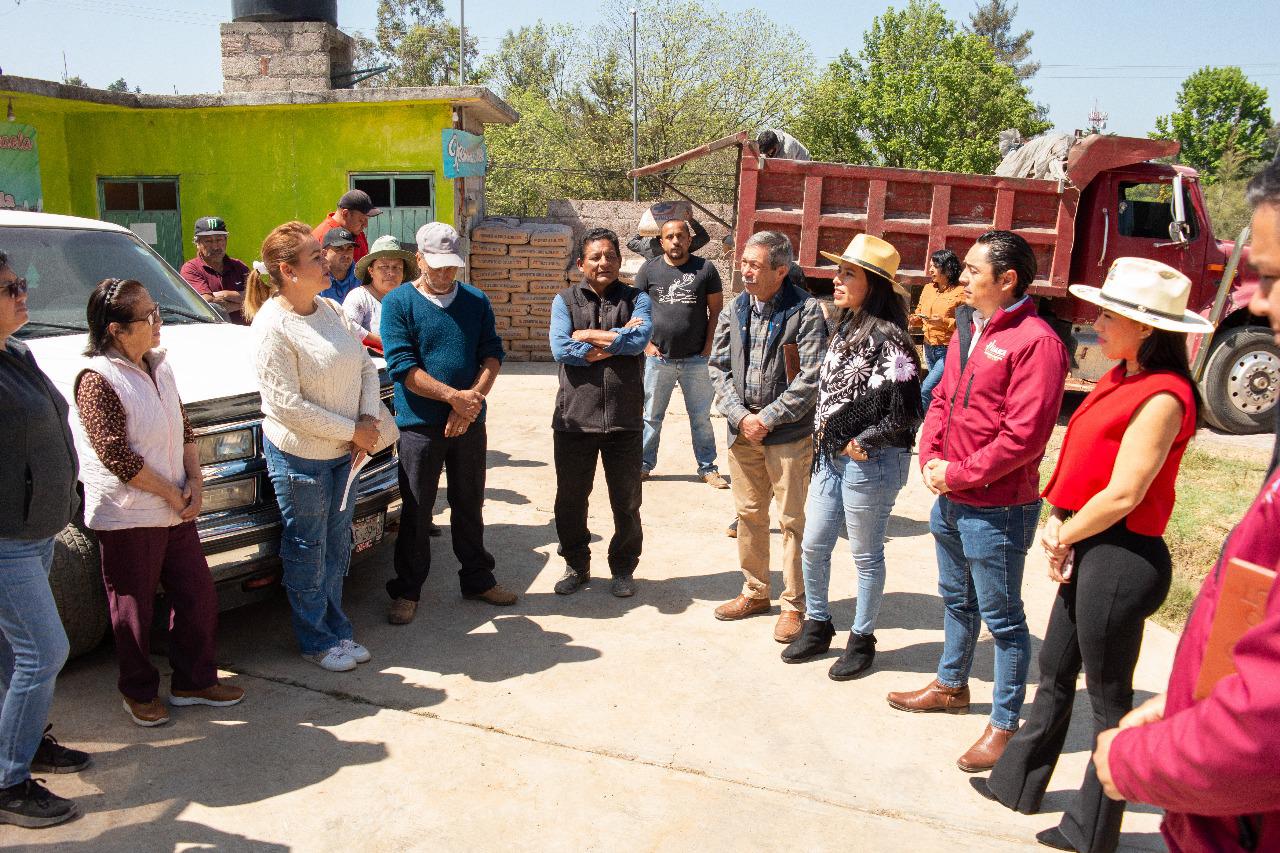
<point x="1130" y="56"/>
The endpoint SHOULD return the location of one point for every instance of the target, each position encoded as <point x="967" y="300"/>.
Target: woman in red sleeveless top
<point x="1110" y="496"/>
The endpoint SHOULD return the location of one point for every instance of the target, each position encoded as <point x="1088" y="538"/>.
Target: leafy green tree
<point x="121" y="86"/>
<point x="993" y="21"/>
<point x="920" y="95"/>
<point x="532" y="59"/>
<point x="75" y="80"/>
<point x="417" y="41"/>
<point x="1221" y="118"/>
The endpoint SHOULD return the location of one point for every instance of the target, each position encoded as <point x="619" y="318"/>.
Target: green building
<point x="156" y="163"/>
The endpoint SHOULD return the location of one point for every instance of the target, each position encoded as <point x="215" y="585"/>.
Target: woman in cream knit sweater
<point x="320" y="406"/>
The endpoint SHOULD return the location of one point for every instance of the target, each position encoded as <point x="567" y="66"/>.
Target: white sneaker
<point x="357" y="652"/>
<point x="337" y="659"/>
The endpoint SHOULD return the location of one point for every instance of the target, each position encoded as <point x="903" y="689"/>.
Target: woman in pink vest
<point x="1111" y="495"/>
<point x="142" y="483"/>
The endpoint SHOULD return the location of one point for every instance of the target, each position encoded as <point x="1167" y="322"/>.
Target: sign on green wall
<point x="464" y="154"/>
<point x="19" y="168"/>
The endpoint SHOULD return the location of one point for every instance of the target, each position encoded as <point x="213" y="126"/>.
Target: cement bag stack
<point x="521" y="267"/>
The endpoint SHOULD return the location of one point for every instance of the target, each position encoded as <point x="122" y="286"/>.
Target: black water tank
<point x="285" y="10"/>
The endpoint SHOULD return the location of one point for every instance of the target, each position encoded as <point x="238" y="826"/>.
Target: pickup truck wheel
<point x="76" y="581"/>
<point x="1242" y="381"/>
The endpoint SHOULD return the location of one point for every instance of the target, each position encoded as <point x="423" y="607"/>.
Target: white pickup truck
<point x="63" y="258"/>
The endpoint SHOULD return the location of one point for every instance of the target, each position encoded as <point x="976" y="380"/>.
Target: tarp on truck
<point x="1044" y="157"/>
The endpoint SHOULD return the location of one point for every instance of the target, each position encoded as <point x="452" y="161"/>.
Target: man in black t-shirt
<point x="686" y="295"/>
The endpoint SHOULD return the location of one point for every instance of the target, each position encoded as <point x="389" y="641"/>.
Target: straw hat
<point x="1147" y="291"/>
<point x="872" y="254"/>
<point x="387" y="246"/>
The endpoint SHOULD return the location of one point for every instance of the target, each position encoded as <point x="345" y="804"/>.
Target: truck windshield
<point x="62" y="266"/>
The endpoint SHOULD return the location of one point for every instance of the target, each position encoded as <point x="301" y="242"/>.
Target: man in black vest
<point x="765" y="359"/>
<point x="599" y="329"/>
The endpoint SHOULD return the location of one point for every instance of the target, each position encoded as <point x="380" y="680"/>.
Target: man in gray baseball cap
<point x="443" y="354"/>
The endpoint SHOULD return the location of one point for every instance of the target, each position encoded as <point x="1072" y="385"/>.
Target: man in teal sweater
<point x="443" y="354"/>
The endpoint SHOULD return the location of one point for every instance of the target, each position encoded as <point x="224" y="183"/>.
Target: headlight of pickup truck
<point x="226" y="446"/>
<point x="238" y="493"/>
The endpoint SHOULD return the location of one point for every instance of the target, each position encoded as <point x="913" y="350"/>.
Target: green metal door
<point x="407" y="200"/>
<point x="149" y="208"/>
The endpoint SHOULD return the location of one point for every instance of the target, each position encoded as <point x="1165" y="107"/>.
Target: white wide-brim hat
<point x="874" y="255"/>
<point x="1149" y="292"/>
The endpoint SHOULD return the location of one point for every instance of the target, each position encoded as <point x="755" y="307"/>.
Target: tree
<point x="75" y="80"/>
<point x="419" y="44"/>
<point x="920" y="95"/>
<point x="532" y="59"/>
<point x="993" y="21"/>
<point x="1221" y="119"/>
<point x="121" y="86"/>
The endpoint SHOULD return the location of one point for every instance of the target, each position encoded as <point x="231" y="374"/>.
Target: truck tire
<point x="76" y="580"/>
<point x="1242" y="381"/>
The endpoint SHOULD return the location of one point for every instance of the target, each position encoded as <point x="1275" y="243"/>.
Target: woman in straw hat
<point x="386" y="267"/>
<point x="1111" y="495"/>
<point x="864" y="427"/>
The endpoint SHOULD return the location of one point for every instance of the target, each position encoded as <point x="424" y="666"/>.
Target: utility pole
<point x="635" y="111"/>
<point x="462" y="42"/>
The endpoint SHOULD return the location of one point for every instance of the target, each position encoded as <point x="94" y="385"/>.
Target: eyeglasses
<point x="15" y="288"/>
<point x="150" y="319"/>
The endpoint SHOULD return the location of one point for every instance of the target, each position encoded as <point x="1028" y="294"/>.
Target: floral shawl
<point x="869" y="390"/>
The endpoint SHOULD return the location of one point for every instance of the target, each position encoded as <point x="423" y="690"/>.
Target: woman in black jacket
<point x="864" y="426"/>
<point x="37" y="499"/>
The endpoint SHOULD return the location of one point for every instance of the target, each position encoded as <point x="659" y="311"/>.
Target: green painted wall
<point x="254" y="166"/>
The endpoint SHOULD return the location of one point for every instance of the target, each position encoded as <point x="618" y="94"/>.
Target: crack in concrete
<point x="887" y="813"/>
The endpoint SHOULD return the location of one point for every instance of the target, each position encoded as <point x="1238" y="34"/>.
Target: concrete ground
<point x="581" y="723"/>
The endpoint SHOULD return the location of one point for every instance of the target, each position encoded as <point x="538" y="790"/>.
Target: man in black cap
<point x="355" y="209"/>
<point x="219" y="278"/>
<point x="339" y="252"/>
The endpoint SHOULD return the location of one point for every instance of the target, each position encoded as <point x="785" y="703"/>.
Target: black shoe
<point x="980" y="785"/>
<point x="856" y="659"/>
<point x="572" y="580"/>
<point x="434" y="530"/>
<point x="623" y="586"/>
<point x="32" y="805"/>
<point x="1053" y="837"/>
<point x="815" y="639"/>
<point x="53" y="757"/>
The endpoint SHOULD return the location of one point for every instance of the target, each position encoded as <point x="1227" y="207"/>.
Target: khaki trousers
<point x="762" y="472"/>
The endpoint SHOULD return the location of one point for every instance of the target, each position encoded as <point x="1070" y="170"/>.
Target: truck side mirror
<point x="1179" y="229"/>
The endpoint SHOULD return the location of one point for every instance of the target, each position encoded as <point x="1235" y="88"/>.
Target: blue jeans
<point x="859" y="497"/>
<point x="33" y="648"/>
<point x="981" y="554"/>
<point x="935" y="358"/>
<point x="660" y="378"/>
<point x="315" y="546"/>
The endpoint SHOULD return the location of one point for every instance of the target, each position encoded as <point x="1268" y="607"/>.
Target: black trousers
<point x="1120" y="579"/>
<point x="424" y="452"/>
<point x="575" y="455"/>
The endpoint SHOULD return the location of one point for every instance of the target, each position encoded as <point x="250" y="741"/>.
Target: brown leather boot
<point x="788" y="627"/>
<point x="741" y="607"/>
<point x="935" y="697"/>
<point x="984" y="754"/>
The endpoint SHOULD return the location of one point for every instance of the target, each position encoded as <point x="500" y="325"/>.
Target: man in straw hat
<point x="983" y="438"/>
<point x="443" y="354"/>
<point x="764" y="362"/>
<point x="1213" y="764"/>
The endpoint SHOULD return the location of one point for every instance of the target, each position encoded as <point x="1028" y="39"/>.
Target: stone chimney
<point x="284" y="56"/>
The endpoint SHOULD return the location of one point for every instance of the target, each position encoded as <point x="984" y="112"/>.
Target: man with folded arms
<point x="980" y="450"/>
<point x="1213" y="765"/>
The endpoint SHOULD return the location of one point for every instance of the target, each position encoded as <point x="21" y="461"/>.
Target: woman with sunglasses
<point x="142" y="490"/>
<point x="37" y="499"/>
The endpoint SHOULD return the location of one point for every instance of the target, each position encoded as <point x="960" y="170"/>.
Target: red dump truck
<point x="1113" y="202"/>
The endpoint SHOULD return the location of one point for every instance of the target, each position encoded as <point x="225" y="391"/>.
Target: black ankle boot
<point x="856" y="659"/>
<point x="815" y="639"/>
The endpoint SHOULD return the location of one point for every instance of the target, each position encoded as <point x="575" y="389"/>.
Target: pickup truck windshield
<point x="62" y="266"/>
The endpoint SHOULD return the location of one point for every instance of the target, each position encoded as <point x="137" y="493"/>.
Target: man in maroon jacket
<point x="1214" y="765"/>
<point x="980" y="450"/>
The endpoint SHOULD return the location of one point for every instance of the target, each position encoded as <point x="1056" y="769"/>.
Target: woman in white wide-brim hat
<point x="386" y="267"/>
<point x="864" y="427"/>
<point x="1111" y="495"/>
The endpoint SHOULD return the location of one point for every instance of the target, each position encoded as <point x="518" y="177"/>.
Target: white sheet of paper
<point x="356" y="468"/>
